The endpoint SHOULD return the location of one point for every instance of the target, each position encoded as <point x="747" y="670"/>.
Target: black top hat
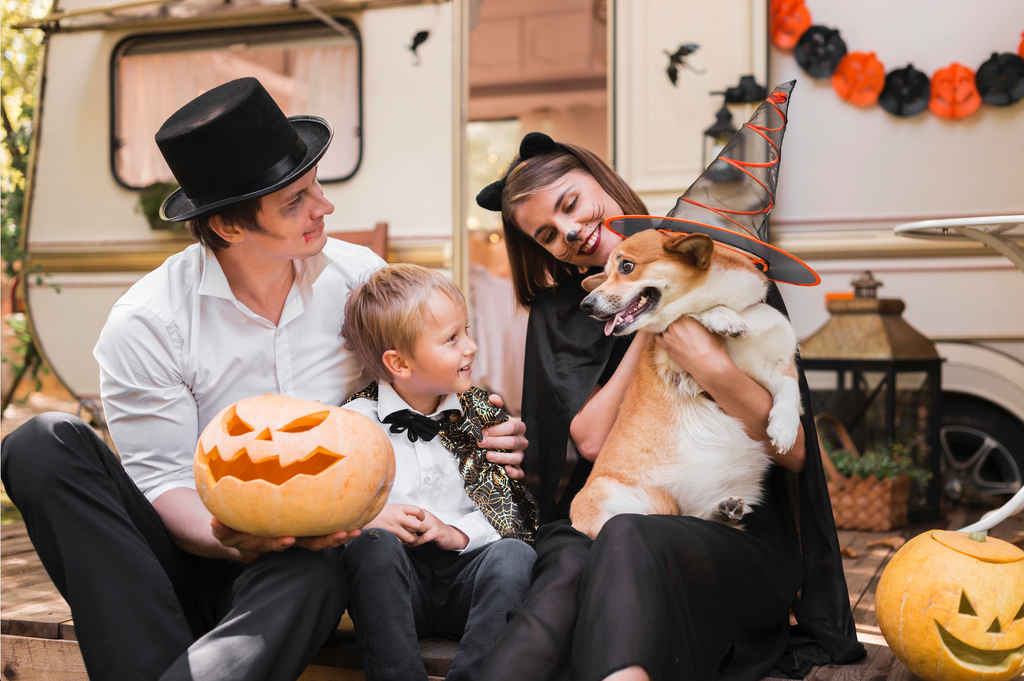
<point x="233" y="143"/>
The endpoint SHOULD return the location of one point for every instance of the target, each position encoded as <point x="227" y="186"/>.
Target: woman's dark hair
<point x="244" y="214"/>
<point x="533" y="268"/>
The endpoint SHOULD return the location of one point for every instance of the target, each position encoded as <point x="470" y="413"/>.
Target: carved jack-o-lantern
<point x="789" y="19"/>
<point x="954" y="93"/>
<point x="859" y="78"/>
<point x="951" y="607"/>
<point x="276" y="466"/>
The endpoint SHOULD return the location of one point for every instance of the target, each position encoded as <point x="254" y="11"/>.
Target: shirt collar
<point x="212" y="281"/>
<point x="389" y="401"/>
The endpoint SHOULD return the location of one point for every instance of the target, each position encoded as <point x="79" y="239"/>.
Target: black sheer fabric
<point x="731" y="200"/>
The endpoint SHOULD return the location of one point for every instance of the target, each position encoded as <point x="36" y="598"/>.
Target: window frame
<point x="128" y="41"/>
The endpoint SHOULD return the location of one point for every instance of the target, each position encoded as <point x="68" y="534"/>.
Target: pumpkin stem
<point x="977" y="536"/>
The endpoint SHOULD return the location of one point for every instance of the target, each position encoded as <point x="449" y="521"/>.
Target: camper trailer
<point x="428" y="101"/>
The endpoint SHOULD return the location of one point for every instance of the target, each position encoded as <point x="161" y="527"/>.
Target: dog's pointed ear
<point x="593" y="281"/>
<point x="699" y="246"/>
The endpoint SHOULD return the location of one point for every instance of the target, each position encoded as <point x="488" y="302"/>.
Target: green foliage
<point x="25" y="359"/>
<point x="149" y="202"/>
<point x="882" y="462"/>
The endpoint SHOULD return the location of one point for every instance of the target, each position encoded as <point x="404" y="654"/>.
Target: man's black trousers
<point x="144" y="608"/>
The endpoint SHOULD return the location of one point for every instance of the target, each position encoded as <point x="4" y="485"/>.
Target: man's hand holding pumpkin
<point x="246" y="548"/>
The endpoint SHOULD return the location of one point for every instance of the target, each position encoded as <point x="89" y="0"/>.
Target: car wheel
<point x="982" y="450"/>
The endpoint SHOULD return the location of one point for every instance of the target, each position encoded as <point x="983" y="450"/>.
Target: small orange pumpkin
<point x="954" y="94"/>
<point x="859" y="78"/>
<point x="275" y="466"/>
<point x="951" y="607"/>
<point x="789" y="19"/>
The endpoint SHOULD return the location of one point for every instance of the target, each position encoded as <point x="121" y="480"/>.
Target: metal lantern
<point x="882" y="379"/>
<point x="717" y="136"/>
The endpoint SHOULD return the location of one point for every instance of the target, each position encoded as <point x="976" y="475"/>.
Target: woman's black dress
<point x="684" y="597"/>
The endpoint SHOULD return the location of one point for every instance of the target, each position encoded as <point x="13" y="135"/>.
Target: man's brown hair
<point x="533" y="268"/>
<point x="386" y="312"/>
<point x="244" y="214"/>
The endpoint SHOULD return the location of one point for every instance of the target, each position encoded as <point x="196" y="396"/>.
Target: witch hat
<point x="731" y="200"/>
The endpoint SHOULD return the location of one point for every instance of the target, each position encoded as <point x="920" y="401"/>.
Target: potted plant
<point x="869" y="491"/>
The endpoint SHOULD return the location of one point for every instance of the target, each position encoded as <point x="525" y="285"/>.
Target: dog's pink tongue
<point x="612" y="323"/>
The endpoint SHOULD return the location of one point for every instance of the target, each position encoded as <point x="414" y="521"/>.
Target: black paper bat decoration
<point x="678" y="58"/>
<point x="417" y="40"/>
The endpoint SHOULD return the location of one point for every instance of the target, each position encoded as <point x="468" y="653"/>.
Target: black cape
<point x="567" y="354"/>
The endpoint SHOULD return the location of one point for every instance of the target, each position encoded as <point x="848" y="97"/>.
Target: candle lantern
<point x="717" y="136"/>
<point x="882" y="379"/>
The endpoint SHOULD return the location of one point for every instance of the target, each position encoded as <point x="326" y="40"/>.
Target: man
<point x="157" y="587"/>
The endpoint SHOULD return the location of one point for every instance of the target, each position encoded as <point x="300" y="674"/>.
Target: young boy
<point x="448" y="554"/>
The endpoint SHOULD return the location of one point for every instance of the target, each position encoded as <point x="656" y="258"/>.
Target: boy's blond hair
<point x="385" y="312"/>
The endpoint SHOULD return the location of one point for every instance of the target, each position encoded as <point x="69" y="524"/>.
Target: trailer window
<point x="308" y="69"/>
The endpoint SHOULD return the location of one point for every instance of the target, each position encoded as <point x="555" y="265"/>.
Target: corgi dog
<point x="672" y="449"/>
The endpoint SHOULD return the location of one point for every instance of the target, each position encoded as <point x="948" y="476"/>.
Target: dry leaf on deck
<point x="848" y="552"/>
<point x="891" y="542"/>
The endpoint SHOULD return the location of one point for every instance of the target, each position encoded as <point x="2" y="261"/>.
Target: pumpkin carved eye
<point x="308" y="422"/>
<point x="965" y="606"/>
<point x="234" y="425"/>
<point x="1020" y="613"/>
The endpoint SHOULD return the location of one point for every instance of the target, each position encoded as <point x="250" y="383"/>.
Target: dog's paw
<point x="782" y="430"/>
<point x="723" y="321"/>
<point x="730" y="511"/>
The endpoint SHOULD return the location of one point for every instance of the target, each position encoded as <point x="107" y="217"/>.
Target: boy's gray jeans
<point x="399" y="594"/>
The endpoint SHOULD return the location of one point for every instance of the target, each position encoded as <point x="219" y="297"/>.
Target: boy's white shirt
<point x="426" y="473"/>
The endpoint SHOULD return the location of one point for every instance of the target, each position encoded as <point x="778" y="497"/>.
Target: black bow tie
<point x="414" y="425"/>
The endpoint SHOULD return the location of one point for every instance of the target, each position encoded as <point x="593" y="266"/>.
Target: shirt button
<point x="426" y="479"/>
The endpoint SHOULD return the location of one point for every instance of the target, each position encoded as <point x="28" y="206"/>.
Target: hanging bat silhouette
<point x="678" y="58"/>
<point x="417" y="40"/>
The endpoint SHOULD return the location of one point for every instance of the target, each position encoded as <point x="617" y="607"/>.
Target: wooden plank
<point x="10" y="547"/>
<point x="438" y="654"/>
<point x="40" y="659"/>
<point x="17" y="529"/>
<point x="875" y="667"/>
<point x="861" y="570"/>
<point x="67" y="630"/>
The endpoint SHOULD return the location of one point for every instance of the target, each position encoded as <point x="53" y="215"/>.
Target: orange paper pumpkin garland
<point x="951" y="607"/>
<point x="954" y="93"/>
<point x="859" y="78"/>
<point x="276" y="466"/>
<point x="789" y="20"/>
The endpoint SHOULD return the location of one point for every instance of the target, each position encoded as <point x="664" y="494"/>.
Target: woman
<point x="660" y="597"/>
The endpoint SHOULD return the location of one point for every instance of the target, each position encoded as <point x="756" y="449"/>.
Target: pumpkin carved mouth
<point x="972" y="655"/>
<point x="268" y="470"/>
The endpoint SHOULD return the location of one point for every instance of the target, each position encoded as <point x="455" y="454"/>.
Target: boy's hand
<point x="510" y="435"/>
<point x="246" y="548"/>
<point x="405" y="521"/>
<point x="445" y="536"/>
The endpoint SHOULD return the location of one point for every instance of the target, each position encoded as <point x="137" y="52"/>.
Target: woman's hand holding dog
<point x="703" y="355"/>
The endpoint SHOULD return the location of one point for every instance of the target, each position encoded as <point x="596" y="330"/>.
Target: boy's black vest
<point x="506" y="503"/>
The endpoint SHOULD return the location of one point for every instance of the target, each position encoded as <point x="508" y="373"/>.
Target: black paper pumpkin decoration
<point x="1000" y="80"/>
<point x="819" y="51"/>
<point x="906" y="91"/>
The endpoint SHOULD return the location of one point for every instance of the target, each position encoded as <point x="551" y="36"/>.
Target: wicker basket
<point x="859" y="503"/>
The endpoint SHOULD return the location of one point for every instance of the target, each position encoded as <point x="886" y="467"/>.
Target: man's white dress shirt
<point x="426" y="473"/>
<point x="178" y="347"/>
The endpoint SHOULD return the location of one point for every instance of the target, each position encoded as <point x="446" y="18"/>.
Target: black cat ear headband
<point x="533" y="143"/>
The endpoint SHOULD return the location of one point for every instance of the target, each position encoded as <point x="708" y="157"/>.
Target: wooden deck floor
<point x="39" y="642"/>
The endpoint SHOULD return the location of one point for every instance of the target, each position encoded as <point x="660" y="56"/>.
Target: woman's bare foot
<point x="634" y="673"/>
